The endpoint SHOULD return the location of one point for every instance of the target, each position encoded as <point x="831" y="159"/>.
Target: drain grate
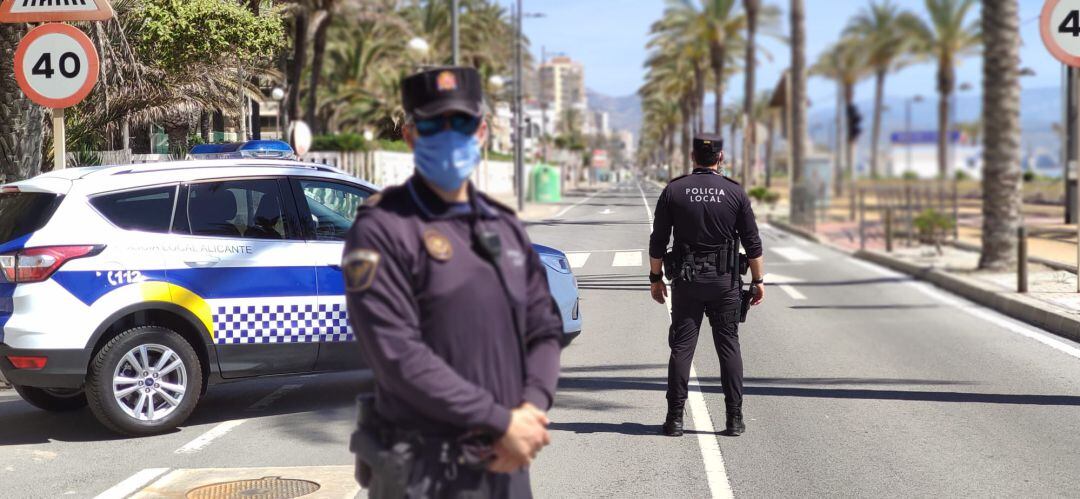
<point x="270" y="487"/>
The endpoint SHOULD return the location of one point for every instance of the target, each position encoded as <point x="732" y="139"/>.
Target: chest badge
<point x="438" y="246"/>
<point x="359" y="268"/>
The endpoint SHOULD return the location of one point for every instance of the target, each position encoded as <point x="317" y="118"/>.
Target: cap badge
<point x="438" y="246"/>
<point x="446" y="81"/>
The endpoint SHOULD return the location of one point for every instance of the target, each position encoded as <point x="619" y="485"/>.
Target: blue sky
<point x="609" y="37"/>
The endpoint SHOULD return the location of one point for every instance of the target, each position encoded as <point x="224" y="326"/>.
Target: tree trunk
<point x="317" y="57"/>
<point x="296" y="66"/>
<point x="801" y="212"/>
<point x="687" y="119"/>
<point x="841" y="131"/>
<point x="879" y="104"/>
<point x="718" y="54"/>
<point x="1002" y="199"/>
<point x="178" y="129"/>
<point x="945" y="87"/>
<point x="770" y="141"/>
<point x="750" y="150"/>
<point x="21" y="121"/>
<point x="205" y="124"/>
<point x="849" y="143"/>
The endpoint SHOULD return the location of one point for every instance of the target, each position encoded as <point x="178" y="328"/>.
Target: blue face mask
<point x="447" y="158"/>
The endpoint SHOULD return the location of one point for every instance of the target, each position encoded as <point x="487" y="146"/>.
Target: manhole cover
<point x="270" y="487"/>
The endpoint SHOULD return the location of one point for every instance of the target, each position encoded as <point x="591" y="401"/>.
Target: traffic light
<point x="854" y="122"/>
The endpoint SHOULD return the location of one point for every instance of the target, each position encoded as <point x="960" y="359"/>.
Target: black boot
<point x="673" y="427"/>
<point x="735" y="425"/>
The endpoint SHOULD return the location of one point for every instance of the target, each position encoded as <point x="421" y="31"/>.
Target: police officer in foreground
<point x="451" y="308"/>
<point x="710" y="215"/>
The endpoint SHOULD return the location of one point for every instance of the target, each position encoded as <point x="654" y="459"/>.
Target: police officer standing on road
<point x="451" y="308"/>
<point x="711" y="215"/>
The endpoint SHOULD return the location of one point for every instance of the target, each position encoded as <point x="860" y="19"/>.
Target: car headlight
<point x="557" y="263"/>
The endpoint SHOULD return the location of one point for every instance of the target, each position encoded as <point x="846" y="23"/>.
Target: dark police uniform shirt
<point x="706" y="210"/>
<point x="433" y="321"/>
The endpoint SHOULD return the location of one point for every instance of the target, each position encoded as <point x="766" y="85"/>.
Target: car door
<point x="241" y="250"/>
<point x="327" y="208"/>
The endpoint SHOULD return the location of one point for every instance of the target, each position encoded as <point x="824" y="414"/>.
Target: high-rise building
<point x="562" y="88"/>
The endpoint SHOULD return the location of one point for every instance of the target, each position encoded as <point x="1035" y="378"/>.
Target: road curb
<point x="1023" y="308"/>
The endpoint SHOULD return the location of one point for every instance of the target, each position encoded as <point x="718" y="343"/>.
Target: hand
<point x="522" y="441"/>
<point x="659" y="291"/>
<point x="759" y="294"/>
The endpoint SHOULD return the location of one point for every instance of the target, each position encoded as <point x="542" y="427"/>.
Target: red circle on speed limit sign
<point x="56" y="65"/>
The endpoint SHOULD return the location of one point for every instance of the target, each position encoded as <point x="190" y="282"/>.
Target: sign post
<point x="1059" y="26"/>
<point x="56" y="66"/>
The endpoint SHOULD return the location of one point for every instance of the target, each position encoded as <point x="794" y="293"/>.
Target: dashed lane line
<point x="207" y="438"/>
<point x="132" y="484"/>
<point x="715" y="472"/>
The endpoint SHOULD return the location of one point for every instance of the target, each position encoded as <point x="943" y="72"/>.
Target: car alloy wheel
<point x="150" y="382"/>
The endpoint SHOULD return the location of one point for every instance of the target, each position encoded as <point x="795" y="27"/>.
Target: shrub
<point x="758" y="193"/>
<point x="771" y="198"/>
<point x="910" y="175"/>
<point x="932" y="226"/>
<point x="1029" y="176"/>
<point x="345" y="142"/>
<point x="961" y="175"/>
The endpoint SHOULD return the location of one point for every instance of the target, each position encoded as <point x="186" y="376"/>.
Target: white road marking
<point x="132" y="484"/>
<point x="607" y="211"/>
<point x="274" y="396"/>
<point x="793" y="254"/>
<point x="206" y="438"/>
<point x="577" y="260"/>
<point x="627" y="259"/>
<point x="978" y="311"/>
<point x="566" y="210"/>
<point x="715" y="473"/>
<point x="792" y="292"/>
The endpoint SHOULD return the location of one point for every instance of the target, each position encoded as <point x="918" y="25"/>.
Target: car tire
<point x="132" y="387"/>
<point x="52" y="399"/>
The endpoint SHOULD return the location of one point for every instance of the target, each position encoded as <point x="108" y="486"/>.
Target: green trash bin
<point x="545" y="186"/>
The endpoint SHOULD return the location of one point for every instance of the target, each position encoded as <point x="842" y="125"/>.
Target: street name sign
<point x="1059" y="26"/>
<point x="56" y="65"/>
<point x="34" y="11"/>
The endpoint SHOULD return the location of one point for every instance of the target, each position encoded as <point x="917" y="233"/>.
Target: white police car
<point x="132" y="288"/>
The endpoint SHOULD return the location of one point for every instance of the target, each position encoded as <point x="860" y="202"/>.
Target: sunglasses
<point x="461" y="123"/>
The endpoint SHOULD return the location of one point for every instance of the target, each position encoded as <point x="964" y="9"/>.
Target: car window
<point x="148" y="210"/>
<point x="333" y="207"/>
<point x="251" y="209"/>
<point x="24" y="212"/>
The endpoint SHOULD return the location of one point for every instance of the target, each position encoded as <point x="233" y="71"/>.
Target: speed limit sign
<point x="56" y="65"/>
<point x="1060" y="29"/>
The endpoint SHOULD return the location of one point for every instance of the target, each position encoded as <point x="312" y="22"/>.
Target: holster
<point x="377" y="455"/>
<point x="744" y="264"/>
<point x="744" y="304"/>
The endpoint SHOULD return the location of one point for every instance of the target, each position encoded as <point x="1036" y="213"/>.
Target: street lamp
<point x="278" y="94"/>
<point x="907" y="125"/>
<point x="519" y="108"/>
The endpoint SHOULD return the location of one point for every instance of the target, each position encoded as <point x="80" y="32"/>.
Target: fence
<point x="895" y="208"/>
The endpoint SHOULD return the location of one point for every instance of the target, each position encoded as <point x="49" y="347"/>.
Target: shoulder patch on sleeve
<point x="359" y="268"/>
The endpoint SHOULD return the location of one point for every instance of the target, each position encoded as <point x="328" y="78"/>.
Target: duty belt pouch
<point x="744" y="264"/>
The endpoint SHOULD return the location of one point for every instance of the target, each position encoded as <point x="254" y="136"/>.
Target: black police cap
<point x="707" y="143"/>
<point x="438" y="91"/>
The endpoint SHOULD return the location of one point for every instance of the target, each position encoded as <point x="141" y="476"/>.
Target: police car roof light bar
<point x="252" y="149"/>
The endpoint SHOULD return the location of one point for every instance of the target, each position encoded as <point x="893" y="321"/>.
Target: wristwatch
<point x="655" y="278"/>
<point x="755" y="282"/>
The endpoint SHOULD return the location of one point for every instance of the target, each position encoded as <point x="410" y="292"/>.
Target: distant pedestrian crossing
<point x="789" y="255"/>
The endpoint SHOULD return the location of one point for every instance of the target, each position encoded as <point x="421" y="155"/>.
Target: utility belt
<point x="391" y="453"/>
<point x="682" y="263"/>
<point x="687" y="265"/>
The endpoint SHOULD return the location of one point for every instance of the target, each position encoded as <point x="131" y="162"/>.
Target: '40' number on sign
<point x="1071" y="23"/>
<point x="68" y="65"/>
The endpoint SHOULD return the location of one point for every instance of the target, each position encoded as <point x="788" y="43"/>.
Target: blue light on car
<point x="252" y="149"/>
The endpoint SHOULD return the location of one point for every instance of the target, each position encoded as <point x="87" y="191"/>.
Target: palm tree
<point x="21" y="121"/>
<point x="718" y="25"/>
<point x="1001" y="143"/>
<point x="947" y="37"/>
<point x="798" y="212"/>
<point x="846" y="64"/>
<point x="880" y="29"/>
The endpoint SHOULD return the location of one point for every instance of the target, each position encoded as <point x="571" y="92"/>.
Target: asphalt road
<point x="860" y="382"/>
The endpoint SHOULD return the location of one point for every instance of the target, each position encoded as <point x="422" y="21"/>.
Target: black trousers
<point x="690" y="301"/>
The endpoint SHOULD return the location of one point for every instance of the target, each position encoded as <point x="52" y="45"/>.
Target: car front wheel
<point x="145" y="381"/>
<point x="53" y="399"/>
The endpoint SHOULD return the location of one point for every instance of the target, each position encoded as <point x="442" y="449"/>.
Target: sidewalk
<point x="1052" y="302"/>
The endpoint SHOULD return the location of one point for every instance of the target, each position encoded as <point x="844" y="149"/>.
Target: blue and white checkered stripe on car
<point x="280" y="323"/>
